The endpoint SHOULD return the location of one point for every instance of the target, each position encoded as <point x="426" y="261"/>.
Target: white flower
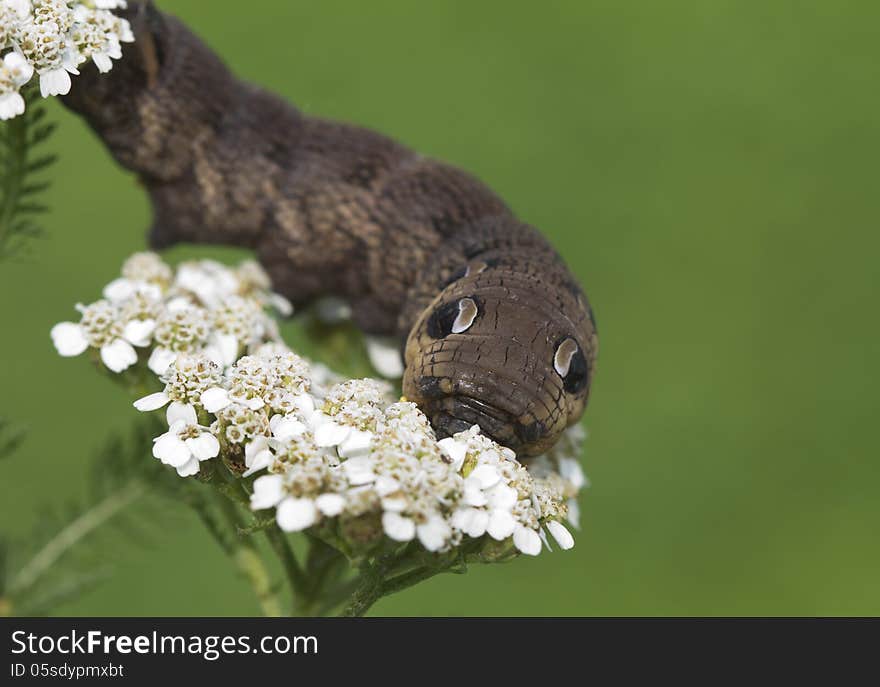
<point x="268" y="492"/>
<point x="18" y="68"/>
<point x="294" y="515"/>
<point x="257" y="456"/>
<point x="560" y="534"/>
<point x="329" y="433"/>
<point x="501" y="524"/>
<point x="398" y="527"/>
<point x="57" y="81"/>
<point x="385" y="357"/>
<point x="11" y="105"/>
<point x="185" y="443"/>
<point x="527" y="540"/>
<point x="215" y="399"/>
<point x="454" y="450"/>
<point x="69" y="339"/>
<point x="434" y="533"/>
<point x="574" y="513"/>
<point x="160" y="360"/>
<point x="118" y="355"/>
<point x="330" y="504"/>
<point x="359" y="470"/>
<point x="286" y="427"/>
<point x="472" y="521"/>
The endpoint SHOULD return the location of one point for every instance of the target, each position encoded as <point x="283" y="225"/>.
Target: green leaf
<point x="20" y="162"/>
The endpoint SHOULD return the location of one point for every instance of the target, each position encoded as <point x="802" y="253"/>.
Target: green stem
<point x="401" y="582"/>
<point x="296" y="580"/>
<point x="244" y="555"/>
<point x="368" y="591"/>
<point x="68" y="537"/>
<point x="236" y="493"/>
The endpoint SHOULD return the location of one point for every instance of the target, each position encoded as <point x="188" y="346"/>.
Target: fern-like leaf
<point x="19" y="163"/>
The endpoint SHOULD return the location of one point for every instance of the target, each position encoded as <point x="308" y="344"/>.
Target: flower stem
<point x="368" y="592"/>
<point x="68" y="537"/>
<point x="243" y="554"/>
<point x="292" y="570"/>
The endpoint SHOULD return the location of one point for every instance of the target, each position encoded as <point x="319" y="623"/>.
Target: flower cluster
<point x="204" y="308"/>
<point x="342" y="458"/>
<point x="52" y="38"/>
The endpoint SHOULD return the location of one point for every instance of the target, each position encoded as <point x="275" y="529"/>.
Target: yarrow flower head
<point x="342" y="458"/>
<point x="52" y="38"/>
<point x="145" y="309"/>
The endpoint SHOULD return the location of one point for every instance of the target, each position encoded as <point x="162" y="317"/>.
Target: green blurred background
<point x="708" y="169"/>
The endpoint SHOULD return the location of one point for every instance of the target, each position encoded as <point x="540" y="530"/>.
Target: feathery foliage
<point x="21" y="166"/>
<point x="58" y="561"/>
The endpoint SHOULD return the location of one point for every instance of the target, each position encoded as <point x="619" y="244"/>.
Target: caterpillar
<point x="494" y="328"/>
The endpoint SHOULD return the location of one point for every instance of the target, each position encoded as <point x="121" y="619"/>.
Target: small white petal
<point x="260" y="461"/>
<point x="473" y="495"/>
<point x="527" y="540"/>
<point x="386" y="485"/>
<point x="384" y="355"/>
<point x="472" y="521"/>
<point x="152" y="402"/>
<point x="356" y="444"/>
<point x="160" y="360"/>
<point x="286" y="428"/>
<point x="69" y="339"/>
<point x="11" y="105"/>
<point x="189" y="468"/>
<point x="502" y="496"/>
<point x="544" y="540"/>
<point x="171" y="450"/>
<point x="178" y="304"/>
<point x="487" y="475"/>
<point x="281" y="304"/>
<point x="228" y="346"/>
<point x="574" y="513"/>
<point x="501" y="525"/>
<point x="330" y="504"/>
<point x="118" y="355"/>
<point x="102" y="62"/>
<point x="204" y="447"/>
<point x="434" y="533"/>
<point x="181" y="412"/>
<point x="571" y="470"/>
<point x="394" y="504"/>
<point x="304" y="403"/>
<point x="255" y="403"/>
<point x="119" y="290"/>
<point x="139" y="332"/>
<point x="561" y="535"/>
<point x="20" y="69"/>
<point x="398" y="527"/>
<point x="268" y="491"/>
<point x="454" y="450"/>
<point x="55" y="82"/>
<point x="214" y="399"/>
<point x="359" y="470"/>
<point x="294" y="515"/>
<point x="331" y="434"/>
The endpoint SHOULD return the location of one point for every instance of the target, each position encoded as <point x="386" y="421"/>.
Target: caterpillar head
<point x="501" y="348"/>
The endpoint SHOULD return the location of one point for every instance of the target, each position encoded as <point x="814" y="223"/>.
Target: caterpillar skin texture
<point x="497" y="331"/>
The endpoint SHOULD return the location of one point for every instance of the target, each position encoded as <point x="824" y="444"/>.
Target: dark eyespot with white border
<point x="452" y="318"/>
<point x="570" y="364"/>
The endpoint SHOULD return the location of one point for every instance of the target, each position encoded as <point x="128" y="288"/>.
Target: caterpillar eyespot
<point x="488" y="314"/>
<point x="570" y="363"/>
<point x="564" y="353"/>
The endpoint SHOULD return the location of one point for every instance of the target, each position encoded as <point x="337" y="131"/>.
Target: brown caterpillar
<point x="497" y="332"/>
